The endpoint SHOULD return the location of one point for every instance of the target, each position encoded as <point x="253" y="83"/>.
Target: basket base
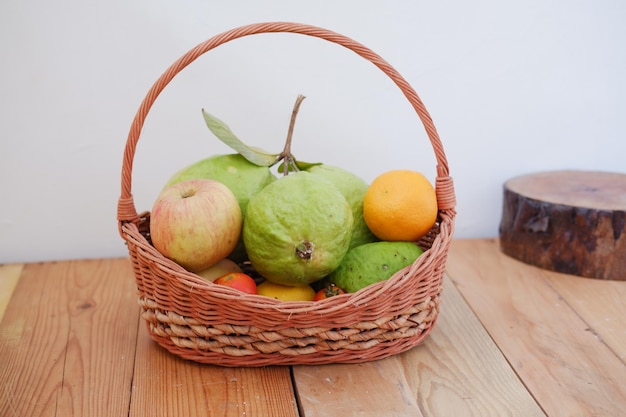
<point x="219" y="346"/>
<point x="381" y="350"/>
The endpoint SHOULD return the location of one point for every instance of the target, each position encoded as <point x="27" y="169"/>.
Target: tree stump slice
<point x="567" y="221"/>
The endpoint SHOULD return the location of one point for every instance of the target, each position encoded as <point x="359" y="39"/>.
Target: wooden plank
<point x="33" y="337"/>
<point x="568" y="370"/>
<point x="600" y="303"/>
<point x="9" y="275"/>
<point x="371" y="389"/>
<point x="61" y="351"/>
<point x="165" y="385"/>
<point x="459" y="371"/>
<point x="101" y="342"/>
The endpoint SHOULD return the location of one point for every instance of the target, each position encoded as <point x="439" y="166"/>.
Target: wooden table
<point x="511" y="340"/>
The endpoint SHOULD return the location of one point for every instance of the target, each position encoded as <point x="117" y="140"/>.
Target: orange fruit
<point x="239" y="281"/>
<point x="400" y="205"/>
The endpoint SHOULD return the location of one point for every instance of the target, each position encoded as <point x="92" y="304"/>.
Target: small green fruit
<point x="373" y="262"/>
<point x="353" y="188"/>
<point x="297" y="229"/>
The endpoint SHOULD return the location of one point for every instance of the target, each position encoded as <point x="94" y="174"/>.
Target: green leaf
<point x="222" y="131"/>
<point x="302" y="166"/>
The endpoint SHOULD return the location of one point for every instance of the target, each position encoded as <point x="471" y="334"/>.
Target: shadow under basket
<point x="213" y="324"/>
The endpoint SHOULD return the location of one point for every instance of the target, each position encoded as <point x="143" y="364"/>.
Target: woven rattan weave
<point x="214" y="324"/>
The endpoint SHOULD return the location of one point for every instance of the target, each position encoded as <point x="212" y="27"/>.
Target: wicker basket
<point x="207" y="323"/>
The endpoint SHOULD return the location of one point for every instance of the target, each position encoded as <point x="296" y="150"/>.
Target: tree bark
<point x="567" y="221"/>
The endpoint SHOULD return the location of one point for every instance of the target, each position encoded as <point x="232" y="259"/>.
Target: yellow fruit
<point x="285" y="292"/>
<point x="219" y="269"/>
<point x="400" y="205"/>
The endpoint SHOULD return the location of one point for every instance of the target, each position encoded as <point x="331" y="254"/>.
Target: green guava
<point x="373" y="262"/>
<point x="297" y="229"/>
<point x="241" y="176"/>
<point x="353" y="188"/>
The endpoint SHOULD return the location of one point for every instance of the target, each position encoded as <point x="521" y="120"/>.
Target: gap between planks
<point x="458" y="370"/>
<point x="71" y="344"/>
<point x="165" y="385"/>
<point x="599" y="303"/>
<point x="552" y="328"/>
<point x="68" y="340"/>
<point x="9" y="275"/>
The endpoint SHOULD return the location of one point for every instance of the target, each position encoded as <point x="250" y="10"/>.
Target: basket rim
<point x="201" y="287"/>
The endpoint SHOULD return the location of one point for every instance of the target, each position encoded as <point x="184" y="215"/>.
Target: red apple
<point x="195" y="223"/>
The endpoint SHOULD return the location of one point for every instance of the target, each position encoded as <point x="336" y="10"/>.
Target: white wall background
<point x="513" y="88"/>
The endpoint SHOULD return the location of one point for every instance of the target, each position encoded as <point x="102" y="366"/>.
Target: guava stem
<point x="304" y="250"/>
<point x="286" y="153"/>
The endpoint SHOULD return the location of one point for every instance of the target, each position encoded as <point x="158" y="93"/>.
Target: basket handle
<point x="126" y="211"/>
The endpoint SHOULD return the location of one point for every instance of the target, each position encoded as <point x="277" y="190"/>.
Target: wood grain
<point x="459" y="371"/>
<point x="511" y="340"/>
<point x="165" y="385"/>
<point x="572" y="222"/>
<point x="456" y="371"/>
<point x="370" y="389"/>
<point x="9" y="275"/>
<point x="59" y="352"/>
<point x="598" y="190"/>
<point x="567" y="369"/>
<point x="32" y="342"/>
<point x="602" y="305"/>
<point x="101" y="340"/>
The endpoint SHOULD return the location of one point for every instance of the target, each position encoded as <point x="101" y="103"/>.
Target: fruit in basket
<point x="242" y="177"/>
<point x="297" y="229"/>
<point x="328" y="291"/>
<point x="373" y="262"/>
<point x="400" y="205"/>
<point x="353" y="188"/>
<point x="195" y="223"/>
<point x="286" y="292"/>
<point x="239" y="281"/>
<point x="222" y="267"/>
